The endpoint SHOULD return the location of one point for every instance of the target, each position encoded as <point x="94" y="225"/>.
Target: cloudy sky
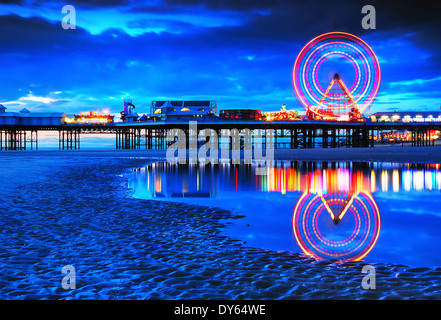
<point x="237" y="52"/>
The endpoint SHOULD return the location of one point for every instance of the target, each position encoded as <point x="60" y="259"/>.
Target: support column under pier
<point x="69" y="139"/>
<point x="128" y="138"/>
<point x="334" y="138"/>
<point x="325" y="135"/>
<point x="11" y="139"/>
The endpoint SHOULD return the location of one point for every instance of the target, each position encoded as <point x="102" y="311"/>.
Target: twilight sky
<point x="237" y="52"/>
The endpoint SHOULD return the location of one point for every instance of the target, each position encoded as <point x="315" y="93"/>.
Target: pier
<point x="287" y="134"/>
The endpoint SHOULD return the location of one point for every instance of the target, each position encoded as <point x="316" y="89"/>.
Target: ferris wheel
<point x="336" y="74"/>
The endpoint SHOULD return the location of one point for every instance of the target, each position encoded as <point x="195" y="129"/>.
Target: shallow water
<point x="375" y="212"/>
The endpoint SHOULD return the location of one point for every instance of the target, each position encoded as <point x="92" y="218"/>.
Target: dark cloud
<point x="85" y="4"/>
<point x="408" y="13"/>
<point x="19" y="2"/>
<point x="53" y="59"/>
<point x="302" y="20"/>
<point x="231" y="5"/>
<point x="34" y="33"/>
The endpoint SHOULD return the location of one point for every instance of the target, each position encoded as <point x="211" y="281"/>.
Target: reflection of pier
<point x="168" y="180"/>
<point x="152" y="135"/>
<point x="351" y="177"/>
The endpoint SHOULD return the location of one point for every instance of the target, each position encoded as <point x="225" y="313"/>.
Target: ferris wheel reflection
<point x="338" y="225"/>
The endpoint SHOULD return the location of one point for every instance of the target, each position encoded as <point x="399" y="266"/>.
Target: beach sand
<point x="70" y="208"/>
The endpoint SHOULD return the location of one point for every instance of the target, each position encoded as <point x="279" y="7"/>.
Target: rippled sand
<point x="71" y="209"/>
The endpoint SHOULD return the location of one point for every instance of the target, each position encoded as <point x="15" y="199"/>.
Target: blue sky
<point x="239" y="53"/>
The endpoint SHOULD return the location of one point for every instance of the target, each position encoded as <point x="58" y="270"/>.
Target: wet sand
<point x="70" y="208"/>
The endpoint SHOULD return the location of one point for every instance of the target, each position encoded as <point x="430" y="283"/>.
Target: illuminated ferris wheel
<point x="336" y="74"/>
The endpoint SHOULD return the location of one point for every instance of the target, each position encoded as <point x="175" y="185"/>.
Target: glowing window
<point x="158" y="111"/>
<point x="185" y="109"/>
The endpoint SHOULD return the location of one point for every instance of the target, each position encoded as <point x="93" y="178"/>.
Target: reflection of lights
<point x="342" y="179"/>
<point x="325" y="181"/>
<point x="166" y="179"/>
<point x="421" y="179"/>
<point x="438" y="180"/>
<point x="384" y="181"/>
<point x="428" y="180"/>
<point x="283" y="182"/>
<point x="373" y="186"/>
<point x="158" y="185"/>
<point x="291" y="179"/>
<point x="418" y="179"/>
<point x="336" y="226"/>
<point x="395" y="181"/>
<point x="407" y="180"/>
